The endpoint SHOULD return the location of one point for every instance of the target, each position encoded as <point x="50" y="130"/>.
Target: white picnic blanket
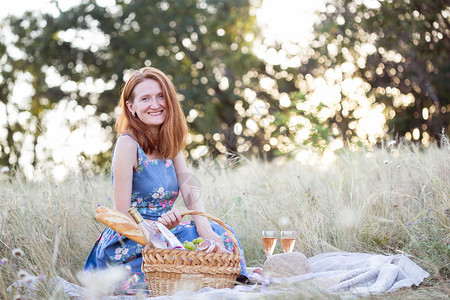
<point x="367" y="273"/>
<point x="355" y="273"/>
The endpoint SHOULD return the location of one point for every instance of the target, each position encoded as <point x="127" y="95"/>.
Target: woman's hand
<point x="211" y="235"/>
<point x="170" y="219"/>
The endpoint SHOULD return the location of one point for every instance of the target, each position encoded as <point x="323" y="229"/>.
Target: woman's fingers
<point x="177" y="214"/>
<point x="214" y="236"/>
<point x="162" y="220"/>
<point x="170" y="219"/>
<point x="167" y="219"/>
<point x="219" y="240"/>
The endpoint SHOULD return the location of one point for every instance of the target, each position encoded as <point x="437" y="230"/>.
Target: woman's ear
<point x="130" y="107"/>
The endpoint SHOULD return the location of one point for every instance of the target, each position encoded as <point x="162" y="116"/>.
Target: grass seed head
<point x="22" y="274"/>
<point x="103" y="282"/>
<point x="284" y="221"/>
<point x="3" y="261"/>
<point x="17" y="252"/>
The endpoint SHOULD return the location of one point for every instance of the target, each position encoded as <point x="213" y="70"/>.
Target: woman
<point x="148" y="172"/>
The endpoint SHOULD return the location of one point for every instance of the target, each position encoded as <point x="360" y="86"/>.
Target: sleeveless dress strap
<point x="128" y="135"/>
<point x="139" y="153"/>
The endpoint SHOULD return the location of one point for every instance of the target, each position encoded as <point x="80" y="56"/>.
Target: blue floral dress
<point x="154" y="191"/>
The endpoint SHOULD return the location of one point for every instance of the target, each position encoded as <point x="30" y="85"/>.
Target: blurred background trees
<point x="400" y="52"/>
<point x="83" y="55"/>
<point x="374" y="69"/>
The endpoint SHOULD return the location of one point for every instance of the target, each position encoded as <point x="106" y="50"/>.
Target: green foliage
<point x="205" y="46"/>
<point x="393" y="54"/>
<point x="292" y="120"/>
<point x="397" y="47"/>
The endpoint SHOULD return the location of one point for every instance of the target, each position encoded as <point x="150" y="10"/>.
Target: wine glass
<point x="269" y="240"/>
<point x="288" y="241"/>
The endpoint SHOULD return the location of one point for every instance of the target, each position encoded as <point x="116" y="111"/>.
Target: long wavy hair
<point x="173" y="132"/>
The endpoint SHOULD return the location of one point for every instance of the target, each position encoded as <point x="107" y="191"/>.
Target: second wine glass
<point x="287" y="241"/>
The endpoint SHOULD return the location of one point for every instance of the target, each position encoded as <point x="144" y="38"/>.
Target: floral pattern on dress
<point x="140" y="167"/>
<point x="158" y="202"/>
<point x="158" y="193"/>
<point x="144" y="162"/>
<point x="227" y="241"/>
<point x="120" y="252"/>
<point x="135" y="281"/>
<point x="168" y="163"/>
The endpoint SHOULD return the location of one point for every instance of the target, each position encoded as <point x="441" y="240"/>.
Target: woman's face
<point x="149" y="103"/>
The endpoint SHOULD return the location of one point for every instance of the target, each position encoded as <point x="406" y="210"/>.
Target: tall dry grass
<point x="393" y="200"/>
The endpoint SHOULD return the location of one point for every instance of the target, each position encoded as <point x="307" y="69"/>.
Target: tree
<point x="400" y="51"/>
<point x="205" y="45"/>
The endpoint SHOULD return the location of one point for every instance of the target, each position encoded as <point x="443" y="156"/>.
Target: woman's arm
<point x="191" y="196"/>
<point x="124" y="161"/>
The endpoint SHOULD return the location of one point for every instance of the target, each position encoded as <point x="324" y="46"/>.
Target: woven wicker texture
<point x="170" y="270"/>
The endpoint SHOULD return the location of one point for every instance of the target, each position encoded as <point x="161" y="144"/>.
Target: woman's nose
<point x="153" y="101"/>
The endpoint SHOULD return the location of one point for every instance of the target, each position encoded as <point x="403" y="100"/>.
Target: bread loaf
<point x="103" y="209"/>
<point x="120" y="223"/>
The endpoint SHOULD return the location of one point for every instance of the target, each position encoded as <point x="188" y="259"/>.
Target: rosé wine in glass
<point x="269" y="240"/>
<point x="287" y="241"/>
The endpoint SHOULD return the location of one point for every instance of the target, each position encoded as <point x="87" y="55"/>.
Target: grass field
<point x="390" y="201"/>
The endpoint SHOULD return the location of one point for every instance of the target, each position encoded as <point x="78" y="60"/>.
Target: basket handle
<point x="218" y="221"/>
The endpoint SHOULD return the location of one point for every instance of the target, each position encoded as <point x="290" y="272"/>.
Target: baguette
<point x="120" y="223"/>
<point x="104" y="209"/>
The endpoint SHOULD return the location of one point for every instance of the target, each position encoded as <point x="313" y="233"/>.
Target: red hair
<point x="173" y="132"/>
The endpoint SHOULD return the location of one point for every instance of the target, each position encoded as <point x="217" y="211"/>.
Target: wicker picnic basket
<point x="170" y="270"/>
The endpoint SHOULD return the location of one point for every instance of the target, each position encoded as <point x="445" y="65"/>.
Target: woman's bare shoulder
<point x="179" y="163"/>
<point x="179" y="158"/>
<point x="126" y="143"/>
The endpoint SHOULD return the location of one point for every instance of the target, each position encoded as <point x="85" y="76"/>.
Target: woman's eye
<point x="161" y="97"/>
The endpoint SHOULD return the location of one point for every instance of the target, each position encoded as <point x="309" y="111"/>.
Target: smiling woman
<point x="149" y="171"/>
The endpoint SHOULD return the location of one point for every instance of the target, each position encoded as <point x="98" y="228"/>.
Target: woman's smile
<point x="156" y="113"/>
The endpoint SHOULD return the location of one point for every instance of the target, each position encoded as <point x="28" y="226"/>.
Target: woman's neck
<point x="155" y="131"/>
